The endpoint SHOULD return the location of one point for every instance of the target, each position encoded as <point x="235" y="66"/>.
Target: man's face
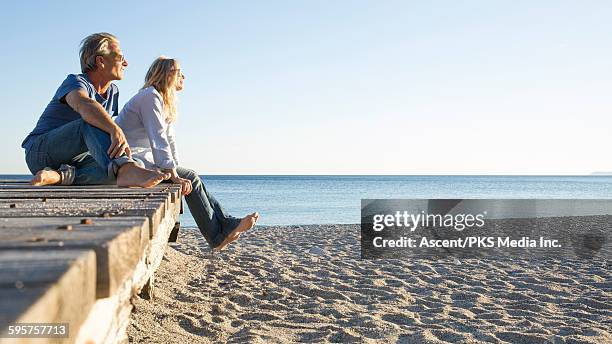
<point x="115" y="62"/>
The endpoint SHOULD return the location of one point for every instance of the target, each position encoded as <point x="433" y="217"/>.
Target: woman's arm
<point x="172" y="141"/>
<point x="151" y="111"/>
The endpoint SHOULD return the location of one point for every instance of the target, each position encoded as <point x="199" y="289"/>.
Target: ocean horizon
<point x="336" y="199"/>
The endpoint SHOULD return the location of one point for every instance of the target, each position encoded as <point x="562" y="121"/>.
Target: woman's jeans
<point x="214" y="223"/>
<point x="79" y="151"/>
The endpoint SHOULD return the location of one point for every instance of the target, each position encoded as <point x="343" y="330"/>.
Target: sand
<point x="308" y="284"/>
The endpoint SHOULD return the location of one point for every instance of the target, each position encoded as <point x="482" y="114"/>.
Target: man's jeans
<point x="212" y="220"/>
<point x="79" y="151"/>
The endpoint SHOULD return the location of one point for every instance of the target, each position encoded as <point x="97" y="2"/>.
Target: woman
<point x="148" y="121"/>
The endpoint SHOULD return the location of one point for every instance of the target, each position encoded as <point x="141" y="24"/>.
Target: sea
<point x="332" y="199"/>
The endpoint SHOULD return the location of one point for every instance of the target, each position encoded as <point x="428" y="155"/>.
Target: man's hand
<point x="119" y="144"/>
<point x="93" y="113"/>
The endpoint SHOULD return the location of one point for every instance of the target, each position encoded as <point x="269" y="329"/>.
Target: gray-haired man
<point x="75" y="140"/>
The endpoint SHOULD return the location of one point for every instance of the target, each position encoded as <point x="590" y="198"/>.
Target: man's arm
<point x="94" y="114"/>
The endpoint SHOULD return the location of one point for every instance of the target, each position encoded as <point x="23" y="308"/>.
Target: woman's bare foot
<point x="132" y="175"/>
<point x="256" y="216"/>
<point x="45" y="177"/>
<point x="251" y="220"/>
<point x="245" y="224"/>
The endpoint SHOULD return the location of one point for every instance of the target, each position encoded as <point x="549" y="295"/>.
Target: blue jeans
<point x="212" y="220"/>
<point x="79" y="151"/>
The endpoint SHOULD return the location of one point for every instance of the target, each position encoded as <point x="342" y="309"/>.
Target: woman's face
<point x="180" y="78"/>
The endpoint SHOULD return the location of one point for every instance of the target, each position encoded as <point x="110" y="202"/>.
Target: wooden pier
<point x="77" y="255"/>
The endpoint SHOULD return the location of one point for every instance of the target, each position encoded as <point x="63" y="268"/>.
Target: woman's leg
<point x="203" y="210"/>
<point x="227" y="221"/>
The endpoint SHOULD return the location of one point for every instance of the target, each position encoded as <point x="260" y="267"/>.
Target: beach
<point x="308" y="284"/>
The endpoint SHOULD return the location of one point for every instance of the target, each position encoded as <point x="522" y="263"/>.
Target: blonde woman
<point x="148" y="123"/>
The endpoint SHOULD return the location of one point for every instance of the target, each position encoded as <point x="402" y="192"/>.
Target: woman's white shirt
<point x="150" y="137"/>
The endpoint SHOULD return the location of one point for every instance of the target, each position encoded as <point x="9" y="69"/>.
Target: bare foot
<point x="45" y="177"/>
<point x="245" y="224"/>
<point x="132" y="175"/>
<point x="251" y="219"/>
<point x="256" y="216"/>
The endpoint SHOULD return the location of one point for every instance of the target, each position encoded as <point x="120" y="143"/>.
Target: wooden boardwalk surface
<point x="78" y="254"/>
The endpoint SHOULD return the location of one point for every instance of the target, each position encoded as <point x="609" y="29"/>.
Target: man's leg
<point x="62" y="145"/>
<point x="88" y="171"/>
<point x="55" y="147"/>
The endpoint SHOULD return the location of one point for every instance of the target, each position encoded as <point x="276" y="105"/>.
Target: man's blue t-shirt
<point x="58" y="112"/>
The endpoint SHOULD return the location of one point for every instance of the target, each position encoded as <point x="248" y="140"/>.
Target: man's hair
<point x="96" y="44"/>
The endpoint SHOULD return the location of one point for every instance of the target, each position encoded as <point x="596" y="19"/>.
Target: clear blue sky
<point x="343" y="87"/>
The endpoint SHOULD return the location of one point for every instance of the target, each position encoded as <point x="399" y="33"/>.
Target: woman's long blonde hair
<point x="162" y="75"/>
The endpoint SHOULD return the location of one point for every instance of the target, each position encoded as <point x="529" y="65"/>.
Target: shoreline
<point x="308" y="283"/>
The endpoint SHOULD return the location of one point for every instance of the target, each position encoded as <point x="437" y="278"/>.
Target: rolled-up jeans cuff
<point x="115" y="165"/>
<point x="67" y="174"/>
<point x="139" y="162"/>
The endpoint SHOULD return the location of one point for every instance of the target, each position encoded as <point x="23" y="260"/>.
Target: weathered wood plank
<point x="36" y="203"/>
<point x="115" y="192"/>
<point x="70" y="194"/>
<point x="27" y="205"/>
<point x="118" y="242"/>
<point x="162" y="197"/>
<point x="48" y="196"/>
<point x="22" y="185"/>
<point x="154" y="210"/>
<point x="50" y="286"/>
<point x="99" y="190"/>
<point x="171" y="196"/>
<point x="14" y="186"/>
<point x="78" y="193"/>
<point x="27" y="202"/>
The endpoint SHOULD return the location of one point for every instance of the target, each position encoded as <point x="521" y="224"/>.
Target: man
<point x="75" y="140"/>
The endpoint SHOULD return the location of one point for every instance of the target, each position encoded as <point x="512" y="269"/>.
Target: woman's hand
<point x="185" y="184"/>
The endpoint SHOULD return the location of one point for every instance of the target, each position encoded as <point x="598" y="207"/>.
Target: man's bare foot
<point x="132" y="175"/>
<point x="245" y="224"/>
<point x="45" y="177"/>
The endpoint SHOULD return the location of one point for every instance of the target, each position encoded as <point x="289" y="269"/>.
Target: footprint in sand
<point x="515" y="337"/>
<point x="312" y="336"/>
<point x="241" y="299"/>
<point x="199" y="327"/>
<point x="408" y="318"/>
<point x="259" y="317"/>
<point x="190" y="325"/>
